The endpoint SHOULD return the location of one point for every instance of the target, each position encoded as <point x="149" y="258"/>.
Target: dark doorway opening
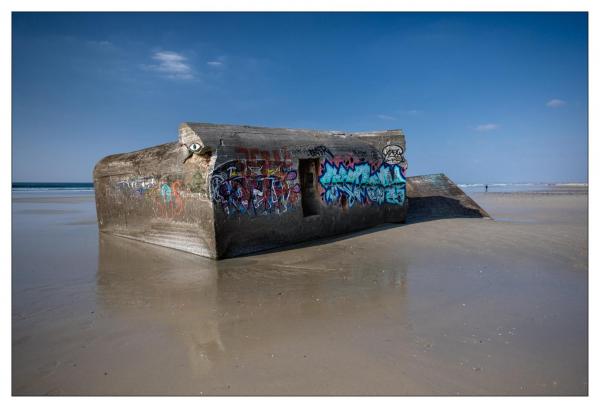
<point x="308" y="169"/>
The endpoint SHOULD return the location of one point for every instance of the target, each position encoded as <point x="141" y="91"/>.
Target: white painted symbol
<point x="195" y="147"/>
<point x="393" y="154"/>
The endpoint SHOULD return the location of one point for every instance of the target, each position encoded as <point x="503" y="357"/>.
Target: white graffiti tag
<point x="394" y="154"/>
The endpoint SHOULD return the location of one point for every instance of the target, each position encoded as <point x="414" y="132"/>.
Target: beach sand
<point x="445" y="307"/>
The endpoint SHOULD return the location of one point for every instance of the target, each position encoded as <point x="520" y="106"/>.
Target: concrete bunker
<point x="224" y="190"/>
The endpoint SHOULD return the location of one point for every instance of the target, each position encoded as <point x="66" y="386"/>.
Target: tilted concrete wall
<point x="157" y="195"/>
<point x="435" y="196"/>
<point x="228" y="190"/>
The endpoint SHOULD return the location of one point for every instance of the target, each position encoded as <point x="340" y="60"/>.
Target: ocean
<point x="519" y="187"/>
<point x="27" y="186"/>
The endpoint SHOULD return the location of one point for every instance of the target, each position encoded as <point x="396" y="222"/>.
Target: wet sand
<point x="445" y="307"/>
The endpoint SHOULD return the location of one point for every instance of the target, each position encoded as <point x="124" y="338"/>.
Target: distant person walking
<point x="486" y="188"/>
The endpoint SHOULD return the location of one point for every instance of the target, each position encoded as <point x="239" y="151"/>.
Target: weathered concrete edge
<point x="437" y="196"/>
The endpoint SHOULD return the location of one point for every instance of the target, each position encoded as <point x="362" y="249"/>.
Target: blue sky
<point x="498" y="97"/>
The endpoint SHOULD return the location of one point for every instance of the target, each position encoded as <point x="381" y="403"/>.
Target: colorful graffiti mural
<point x="350" y="183"/>
<point x="169" y="202"/>
<point x="255" y="187"/>
<point x="163" y="196"/>
<point x="264" y="182"/>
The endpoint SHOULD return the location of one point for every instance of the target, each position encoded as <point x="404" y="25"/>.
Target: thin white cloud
<point x="171" y="65"/>
<point x="486" y="127"/>
<point x="555" y="103"/>
<point x="100" y="44"/>
<point x="214" y="63"/>
<point x="386" y="117"/>
<point x="411" y="112"/>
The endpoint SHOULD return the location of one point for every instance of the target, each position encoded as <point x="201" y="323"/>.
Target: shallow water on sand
<point x="457" y="306"/>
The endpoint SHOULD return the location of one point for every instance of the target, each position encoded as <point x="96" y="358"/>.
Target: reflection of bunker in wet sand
<point x="222" y="190"/>
<point x="222" y="311"/>
<point x="170" y="288"/>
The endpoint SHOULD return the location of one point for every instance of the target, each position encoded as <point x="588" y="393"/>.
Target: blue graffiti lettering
<point x="358" y="183"/>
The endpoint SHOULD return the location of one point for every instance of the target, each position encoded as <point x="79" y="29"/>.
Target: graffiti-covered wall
<point x="255" y="187"/>
<point x="346" y="182"/>
<point x="157" y="195"/>
<point x="164" y="195"/>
